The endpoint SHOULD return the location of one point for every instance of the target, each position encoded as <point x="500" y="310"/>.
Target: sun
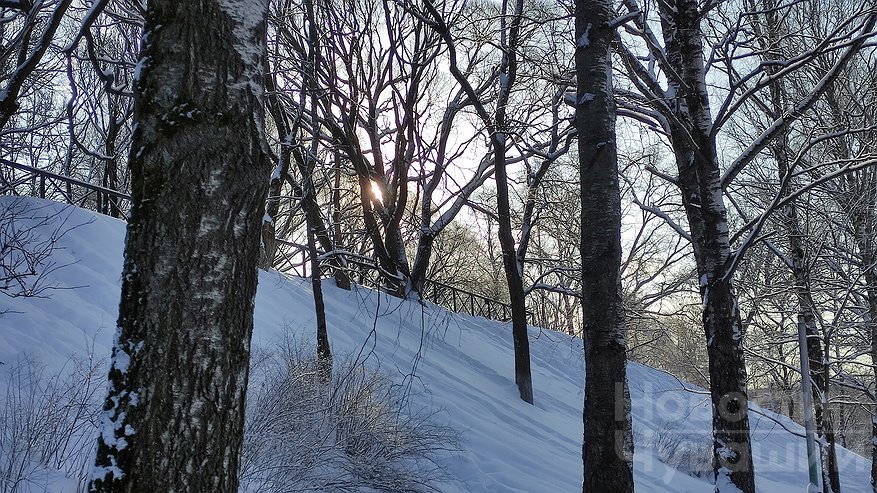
<point x="376" y="192"/>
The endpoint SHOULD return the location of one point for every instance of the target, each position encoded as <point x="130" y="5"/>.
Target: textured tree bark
<point x="173" y="420"/>
<point x="701" y="185"/>
<point x="607" y="451"/>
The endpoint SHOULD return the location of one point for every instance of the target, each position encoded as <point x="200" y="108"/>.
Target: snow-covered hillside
<point x="463" y="367"/>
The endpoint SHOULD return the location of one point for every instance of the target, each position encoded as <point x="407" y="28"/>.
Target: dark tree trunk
<point x="513" y="270"/>
<point x="173" y="420"/>
<point x="111" y="167"/>
<point x="342" y="279"/>
<point x="324" y="353"/>
<point x="871" y="280"/>
<point x="701" y="186"/>
<point x="497" y="126"/>
<point x="517" y="299"/>
<point x="425" y="243"/>
<point x="607" y="451"/>
<point x="309" y="198"/>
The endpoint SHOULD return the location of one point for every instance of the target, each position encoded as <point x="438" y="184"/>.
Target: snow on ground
<point x="459" y="364"/>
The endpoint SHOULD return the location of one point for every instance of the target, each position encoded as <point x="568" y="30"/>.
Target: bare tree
<point x="682" y="111"/>
<point x="26" y="35"/>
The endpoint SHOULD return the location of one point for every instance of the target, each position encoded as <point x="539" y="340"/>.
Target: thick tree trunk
<point x="701" y="185"/>
<point x="173" y="420"/>
<point x="607" y="450"/>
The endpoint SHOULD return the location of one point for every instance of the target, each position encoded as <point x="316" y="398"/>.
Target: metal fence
<point x="20" y="179"/>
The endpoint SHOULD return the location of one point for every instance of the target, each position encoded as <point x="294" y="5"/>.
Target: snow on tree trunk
<point x="607" y="451"/>
<point x="701" y="185"/>
<point x="173" y="420"/>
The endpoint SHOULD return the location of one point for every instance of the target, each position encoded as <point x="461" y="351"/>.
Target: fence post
<point x="42" y="187"/>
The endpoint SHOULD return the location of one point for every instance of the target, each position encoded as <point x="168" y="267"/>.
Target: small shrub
<point x="686" y="451"/>
<point x="29" y="237"/>
<point x="356" y="431"/>
<point x="47" y="423"/>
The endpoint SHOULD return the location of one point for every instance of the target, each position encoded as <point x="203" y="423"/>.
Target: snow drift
<point x="457" y="365"/>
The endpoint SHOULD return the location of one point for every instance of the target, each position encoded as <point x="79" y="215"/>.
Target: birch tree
<point x="173" y="419"/>
<point x="607" y="451"/>
<point x="682" y="111"/>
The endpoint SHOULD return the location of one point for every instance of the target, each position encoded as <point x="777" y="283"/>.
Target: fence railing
<point x="361" y="270"/>
<point x="462" y="301"/>
<point x="27" y="180"/>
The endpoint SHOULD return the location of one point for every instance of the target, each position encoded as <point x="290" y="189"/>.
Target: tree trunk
<point x="513" y="270"/>
<point x="497" y="127"/>
<point x="871" y="280"/>
<point x="607" y="451"/>
<point x="324" y="353"/>
<point x="342" y="279"/>
<point x="806" y="308"/>
<point x="309" y="198"/>
<point x="816" y="356"/>
<point x="173" y="420"/>
<point x="422" y="258"/>
<point x="517" y="298"/>
<point x="701" y="186"/>
<point x="111" y="166"/>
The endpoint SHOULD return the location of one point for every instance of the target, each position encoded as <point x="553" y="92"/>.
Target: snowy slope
<point x="463" y="366"/>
